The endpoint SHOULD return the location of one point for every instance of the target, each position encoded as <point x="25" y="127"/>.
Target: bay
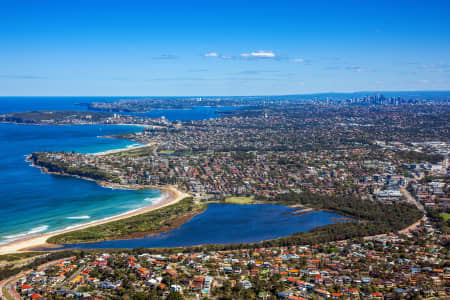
<point x="32" y="202"/>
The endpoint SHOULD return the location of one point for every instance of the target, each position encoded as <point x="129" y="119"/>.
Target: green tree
<point x="174" y="296"/>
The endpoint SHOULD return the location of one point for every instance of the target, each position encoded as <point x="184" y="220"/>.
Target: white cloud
<point x="298" y="60"/>
<point x="259" y="54"/>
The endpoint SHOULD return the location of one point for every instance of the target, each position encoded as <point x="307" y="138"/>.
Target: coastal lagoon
<point x="34" y="203"/>
<point x="226" y="224"/>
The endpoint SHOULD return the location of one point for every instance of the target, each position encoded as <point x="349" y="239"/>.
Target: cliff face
<point x="52" y="165"/>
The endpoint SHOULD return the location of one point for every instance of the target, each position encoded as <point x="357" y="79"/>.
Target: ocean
<point x="13" y="104"/>
<point x="32" y="203"/>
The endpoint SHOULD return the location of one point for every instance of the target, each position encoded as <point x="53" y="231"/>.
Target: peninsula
<point x="385" y="175"/>
<point x="285" y="156"/>
<point x="73" y="118"/>
<point x="294" y="161"/>
<point x="238" y="150"/>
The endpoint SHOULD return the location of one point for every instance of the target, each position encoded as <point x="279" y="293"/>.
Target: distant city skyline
<point x="141" y="48"/>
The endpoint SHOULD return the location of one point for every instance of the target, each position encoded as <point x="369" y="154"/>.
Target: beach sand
<point x="173" y="195"/>
<point x="122" y="149"/>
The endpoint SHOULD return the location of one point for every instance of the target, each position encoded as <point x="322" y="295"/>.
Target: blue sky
<point x="101" y="48"/>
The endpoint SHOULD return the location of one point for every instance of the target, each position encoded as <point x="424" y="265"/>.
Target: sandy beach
<point x="171" y="196"/>
<point x="122" y="149"/>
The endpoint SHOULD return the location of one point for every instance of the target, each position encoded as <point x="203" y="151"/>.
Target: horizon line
<point x="256" y="95"/>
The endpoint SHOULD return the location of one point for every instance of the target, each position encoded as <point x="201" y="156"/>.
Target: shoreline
<point x="76" y="124"/>
<point x="172" y="196"/>
<point x="112" y="151"/>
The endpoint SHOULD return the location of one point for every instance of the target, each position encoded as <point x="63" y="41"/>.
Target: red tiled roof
<point x="26" y="286"/>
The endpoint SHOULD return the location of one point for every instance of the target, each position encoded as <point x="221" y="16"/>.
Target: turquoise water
<point x="33" y="202"/>
<point x="227" y="224"/>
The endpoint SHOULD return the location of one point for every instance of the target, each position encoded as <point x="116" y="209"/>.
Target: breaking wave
<point x="79" y="218"/>
<point x="24" y="234"/>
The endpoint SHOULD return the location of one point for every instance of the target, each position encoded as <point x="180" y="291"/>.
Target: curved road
<point x="7" y="291"/>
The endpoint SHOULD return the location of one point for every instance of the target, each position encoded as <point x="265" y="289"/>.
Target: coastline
<point x="122" y="149"/>
<point x="172" y="196"/>
<point x="75" y="124"/>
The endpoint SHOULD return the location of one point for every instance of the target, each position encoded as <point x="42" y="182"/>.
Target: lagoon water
<point x="228" y="223"/>
<point x="33" y="203"/>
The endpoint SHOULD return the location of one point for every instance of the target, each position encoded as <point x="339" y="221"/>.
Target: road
<point x="7" y="285"/>
<point x="419" y="205"/>
<point x="411" y="199"/>
<point x="72" y="277"/>
<point x="7" y="291"/>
